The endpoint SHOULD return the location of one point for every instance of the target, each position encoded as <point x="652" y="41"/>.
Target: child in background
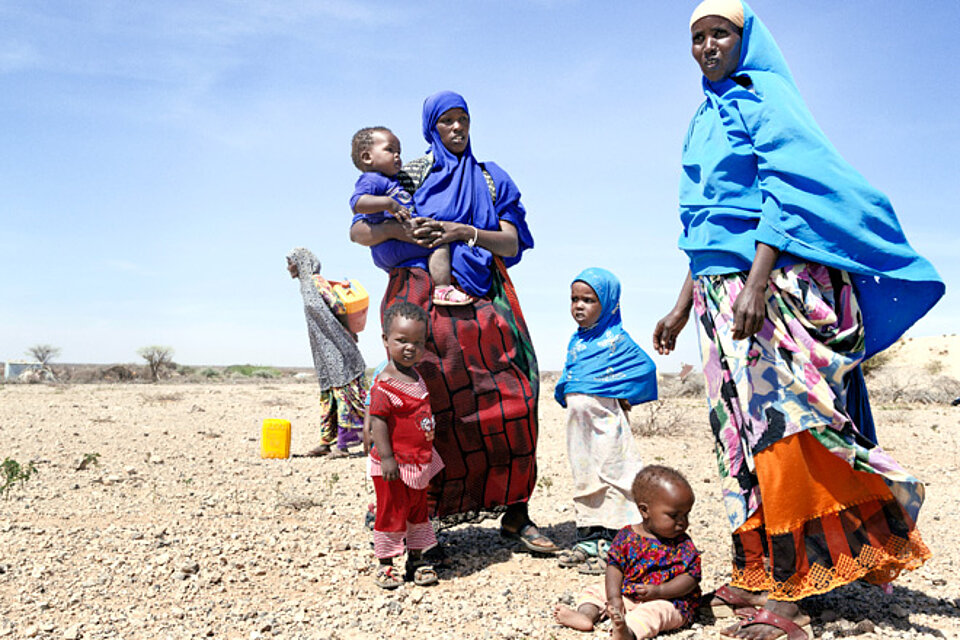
<point x="605" y="373"/>
<point x="403" y="459"/>
<point x="652" y="581"/>
<point x="336" y="358"/>
<point x="377" y="194"/>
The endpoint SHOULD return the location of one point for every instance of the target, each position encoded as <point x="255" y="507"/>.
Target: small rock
<point x="31" y="632"/>
<point x="190" y="568"/>
<point x="342" y="546"/>
<point x="828" y="615"/>
<point x="131" y="471"/>
<point x="72" y="632"/>
<point x="897" y="611"/>
<point x="863" y="627"/>
<point x="162" y="559"/>
<point x="180" y="575"/>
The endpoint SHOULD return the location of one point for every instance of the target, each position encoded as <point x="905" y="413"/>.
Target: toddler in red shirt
<point x="402" y="460"/>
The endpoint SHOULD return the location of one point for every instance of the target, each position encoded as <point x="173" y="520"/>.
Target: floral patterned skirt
<point x="341" y="413"/>
<point x="803" y="524"/>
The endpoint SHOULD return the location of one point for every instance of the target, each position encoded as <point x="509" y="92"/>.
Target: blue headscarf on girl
<point x="456" y="190"/>
<point x="603" y="360"/>
<point x="757" y="168"/>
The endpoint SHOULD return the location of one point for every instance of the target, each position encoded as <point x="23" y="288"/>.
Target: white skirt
<point x="604" y="459"/>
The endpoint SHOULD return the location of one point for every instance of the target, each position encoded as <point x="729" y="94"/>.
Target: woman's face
<point x="454" y="129"/>
<point x="292" y="268"/>
<point x="715" y="46"/>
<point x="585" y="306"/>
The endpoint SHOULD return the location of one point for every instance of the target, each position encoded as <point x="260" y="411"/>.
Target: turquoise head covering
<point x="603" y="360"/>
<point x="757" y="168"/>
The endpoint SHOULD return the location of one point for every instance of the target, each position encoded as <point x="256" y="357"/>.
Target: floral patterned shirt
<point x="645" y="560"/>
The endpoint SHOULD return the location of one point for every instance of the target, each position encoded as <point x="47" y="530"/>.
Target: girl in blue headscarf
<point x="798" y="271"/>
<point x="480" y="367"/>
<point x="605" y="373"/>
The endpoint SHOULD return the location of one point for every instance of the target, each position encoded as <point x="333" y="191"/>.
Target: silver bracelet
<point x="476" y="234"/>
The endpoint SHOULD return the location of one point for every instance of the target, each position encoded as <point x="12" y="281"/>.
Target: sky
<point x="158" y="160"/>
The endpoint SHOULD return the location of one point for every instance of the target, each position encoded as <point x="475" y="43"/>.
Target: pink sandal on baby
<point x="450" y="296"/>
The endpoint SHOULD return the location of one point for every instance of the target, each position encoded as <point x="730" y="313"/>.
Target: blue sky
<point x="159" y="159"/>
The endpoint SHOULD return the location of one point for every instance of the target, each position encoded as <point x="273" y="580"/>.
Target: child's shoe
<point x="450" y="296"/>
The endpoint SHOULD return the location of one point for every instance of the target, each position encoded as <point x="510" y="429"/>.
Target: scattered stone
<point x="72" y="632"/>
<point x="898" y="611"/>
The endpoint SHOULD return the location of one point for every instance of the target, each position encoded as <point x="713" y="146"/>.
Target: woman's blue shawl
<point x="603" y="360"/>
<point x="456" y="190"/>
<point x="757" y="168"/>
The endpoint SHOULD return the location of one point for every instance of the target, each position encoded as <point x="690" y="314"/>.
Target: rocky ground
<point x="152" y="515"/>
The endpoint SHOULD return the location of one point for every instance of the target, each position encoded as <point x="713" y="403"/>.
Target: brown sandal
<point x="317" y="451"/>
<point x="387" y="577"/>
<point x="791" y="630"/>
<point x="731" y="604"/>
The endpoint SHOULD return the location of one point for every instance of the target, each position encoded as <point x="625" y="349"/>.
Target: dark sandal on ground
<point x="572" y="557"/>
<point x="339" y="453"/>
<point x="319" y="450"/>
<point x="528" y="535"/>
<point x="595" y="566"/>
<point x="387" y="577"/>
<point x="789" y="629"/>
<point x="732" y="604"/>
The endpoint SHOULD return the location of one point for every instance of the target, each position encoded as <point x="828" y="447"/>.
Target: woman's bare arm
<point x="433" y="233"/>
<point x="369" y="235"/>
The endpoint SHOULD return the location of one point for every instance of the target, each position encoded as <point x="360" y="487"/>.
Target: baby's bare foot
<point x="620" y="629"/>
<point x="574" y="619"/>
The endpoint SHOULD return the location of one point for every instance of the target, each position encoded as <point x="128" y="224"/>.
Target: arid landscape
<point x="150" y="514"/>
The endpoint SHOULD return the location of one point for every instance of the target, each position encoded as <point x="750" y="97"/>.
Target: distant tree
<point x="157" y="358"/>
<point x="43" y="353"/>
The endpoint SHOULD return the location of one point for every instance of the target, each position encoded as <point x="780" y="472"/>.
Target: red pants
<point x="401" y="513"/>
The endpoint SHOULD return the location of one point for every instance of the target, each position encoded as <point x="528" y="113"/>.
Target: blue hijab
<point x="757" y="168"/>
<point x="603" y="360"/>
<point x="456" y="190"/>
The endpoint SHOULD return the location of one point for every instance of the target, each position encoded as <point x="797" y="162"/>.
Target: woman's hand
<point x="431" y="233"/>
<point x="666" y="332"/>
<point x="749" y="309"/>
<point x="749" y="312"/>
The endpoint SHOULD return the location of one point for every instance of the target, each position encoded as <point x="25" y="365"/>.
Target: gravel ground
<point x="175" y="527"/>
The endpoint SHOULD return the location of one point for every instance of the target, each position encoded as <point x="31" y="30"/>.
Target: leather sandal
<point x="790" y="629"/>
<point x="732" y="604"/>
<point x="527" y="536"/>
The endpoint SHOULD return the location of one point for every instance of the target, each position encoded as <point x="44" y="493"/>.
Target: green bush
<point x="12" y="472"/>
<point x="249" y="370"/>
<point x="210" y="372"/>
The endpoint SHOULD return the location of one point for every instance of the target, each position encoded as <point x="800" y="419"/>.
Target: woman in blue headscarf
<point x="480" y="366"/>
<point x="798" y="271"/>
<point x="605" y="373"/>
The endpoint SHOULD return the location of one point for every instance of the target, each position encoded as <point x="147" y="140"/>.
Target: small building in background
<point x="13" y="368"/>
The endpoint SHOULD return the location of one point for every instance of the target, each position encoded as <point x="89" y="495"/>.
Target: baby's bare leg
<point x="439" y="265"/>
<point x="581" y="619"/>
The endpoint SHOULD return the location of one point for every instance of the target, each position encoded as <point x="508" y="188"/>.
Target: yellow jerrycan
<point x="275" y="439"/>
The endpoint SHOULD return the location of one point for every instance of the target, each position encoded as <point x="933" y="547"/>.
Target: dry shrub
<point x="671" y="385"/>
<point x="160" y="398"/>
<point x="907" y="385"/>
<point x="660" y="417"/>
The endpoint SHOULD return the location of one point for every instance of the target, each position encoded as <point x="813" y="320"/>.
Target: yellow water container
<point x="275" y="439"/>
<point x="356" y="299"/>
